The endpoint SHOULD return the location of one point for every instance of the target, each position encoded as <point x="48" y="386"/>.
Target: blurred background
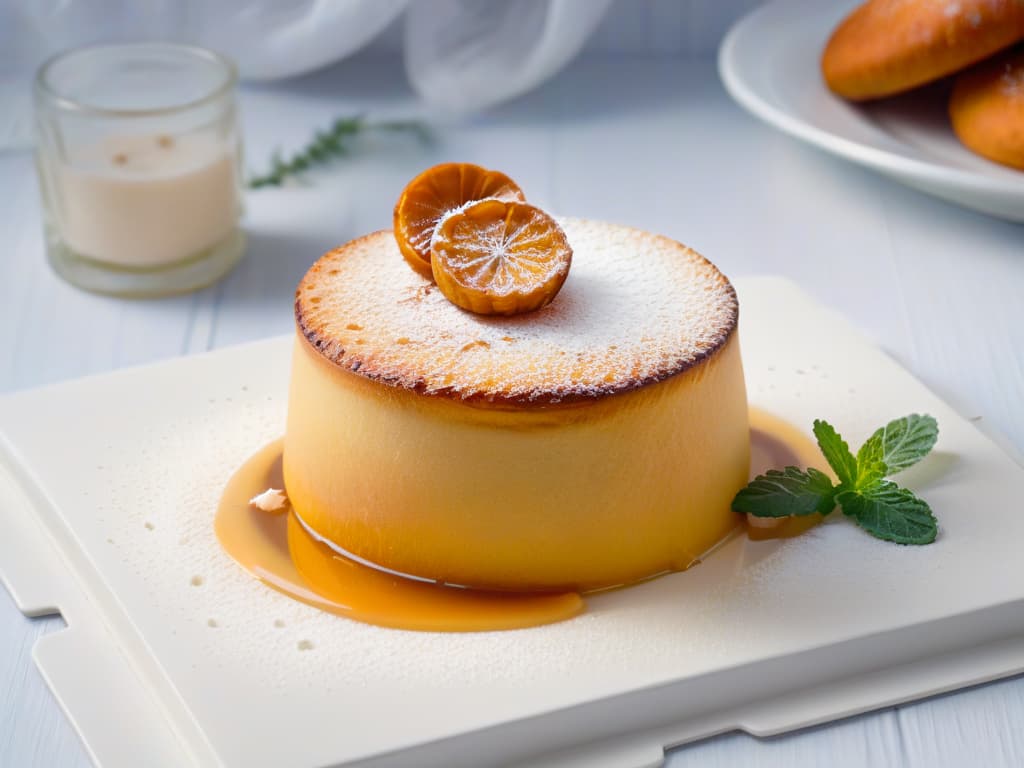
<point x="462" y="55"/>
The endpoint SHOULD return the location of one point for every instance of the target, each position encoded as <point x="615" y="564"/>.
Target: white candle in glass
<point x="148" y="200"/>
<point x="138" y="158"/>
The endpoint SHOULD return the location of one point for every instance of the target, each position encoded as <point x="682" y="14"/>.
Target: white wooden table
<point x="654" y="143"/>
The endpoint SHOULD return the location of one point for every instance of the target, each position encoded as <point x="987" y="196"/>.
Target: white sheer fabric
<point x="270" y="39"/>
<point x="468" y="54"/>
<point x="461" y="55"/>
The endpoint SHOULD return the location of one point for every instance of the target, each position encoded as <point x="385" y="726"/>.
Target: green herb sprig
<point x="879" y="506"/>
<point x="328" y="145"/>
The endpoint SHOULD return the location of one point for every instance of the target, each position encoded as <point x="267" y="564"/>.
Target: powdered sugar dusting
<point x="1011" y="82"/>
<point x="499" y="256"/>
<point x="635" y="308"/>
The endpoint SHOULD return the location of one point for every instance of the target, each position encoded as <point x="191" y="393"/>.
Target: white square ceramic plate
<point x="173" y="655"/>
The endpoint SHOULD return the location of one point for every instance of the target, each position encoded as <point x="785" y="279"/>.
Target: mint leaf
<point x="836" y="452"/>
<point x="889" y="512"/>
<point x="899" y="444"/>
<point x="869" y="471"/>
<point x="790" y="492"/>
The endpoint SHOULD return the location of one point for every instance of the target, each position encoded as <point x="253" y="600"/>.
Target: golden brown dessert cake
<point x="595" y="442"/>
<point x="886" y="47"/>
<point x="987" y="108"/>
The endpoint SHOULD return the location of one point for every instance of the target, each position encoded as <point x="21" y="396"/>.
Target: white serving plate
<point x="769" y="62"/>
<point x="107" y="491"/>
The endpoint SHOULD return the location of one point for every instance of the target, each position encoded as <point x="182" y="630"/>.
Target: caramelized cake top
<point x="636" y="308"/>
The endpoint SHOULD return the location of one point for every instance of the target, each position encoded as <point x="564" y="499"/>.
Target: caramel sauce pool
<point x="277" y="549"/>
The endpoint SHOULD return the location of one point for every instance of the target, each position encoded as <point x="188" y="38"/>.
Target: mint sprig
<point x="335" y="141"/>
<point x="879" y="506"/>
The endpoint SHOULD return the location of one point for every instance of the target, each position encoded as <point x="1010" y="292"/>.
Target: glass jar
<point x="139" y="161"/>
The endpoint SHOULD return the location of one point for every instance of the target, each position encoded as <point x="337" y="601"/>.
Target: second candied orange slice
<point x="495" y="257"/>
<point x="437" y="191"/>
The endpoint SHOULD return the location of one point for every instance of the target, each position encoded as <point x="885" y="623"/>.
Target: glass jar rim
<point x="45" y="87"/>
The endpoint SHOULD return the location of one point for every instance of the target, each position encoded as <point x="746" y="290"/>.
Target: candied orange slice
<point x="438" y="190"/>
<point x="495" y="257"/>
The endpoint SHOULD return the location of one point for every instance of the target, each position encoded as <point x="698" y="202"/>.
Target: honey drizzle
<point x="277" y="549"/>
<point x="775" y="444"/>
